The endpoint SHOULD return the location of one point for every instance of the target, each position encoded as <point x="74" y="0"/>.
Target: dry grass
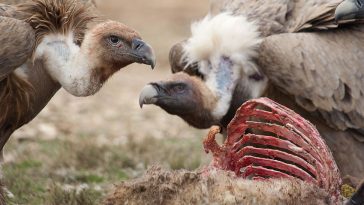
<point x="81" y="171"/>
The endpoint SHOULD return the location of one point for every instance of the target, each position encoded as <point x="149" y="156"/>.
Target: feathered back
<point x="57" y="16"/>
<point x="219" y="6"/>
<point x="46" y="17"/>
<point x="15" y="95"/>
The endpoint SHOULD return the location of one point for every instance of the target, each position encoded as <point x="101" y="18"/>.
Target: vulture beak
<point x="349" y="10"/>
<point x="143" y="52"/>
<point x="149" y="94"/>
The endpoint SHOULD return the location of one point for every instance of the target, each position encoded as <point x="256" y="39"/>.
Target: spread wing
<point x="17" y="40"/>
<point x="324" y="71"/>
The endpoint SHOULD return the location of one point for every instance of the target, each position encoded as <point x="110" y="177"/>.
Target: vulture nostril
<point x="137" y="44"/>
<point x="359" y="3"/>
<point x="158" y="87"/>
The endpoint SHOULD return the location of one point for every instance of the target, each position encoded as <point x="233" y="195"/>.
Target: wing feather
<point x="323" y="70"/>
<point x="315" y="15"/>
<point x="17" y="40"/>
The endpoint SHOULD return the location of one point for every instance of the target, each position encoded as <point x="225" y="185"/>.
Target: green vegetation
<point x="81" y="172"/>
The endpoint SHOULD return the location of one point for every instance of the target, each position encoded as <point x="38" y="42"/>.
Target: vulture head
<point x="78" y="58"/>
<point x="183" y="95"/>
<point x="211" y="67"/>
<point x="113" y="45"/>
<point x="105" y="49"/>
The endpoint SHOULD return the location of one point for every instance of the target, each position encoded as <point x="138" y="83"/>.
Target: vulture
<point x="46" y="45"/>
<point x="292" y="52"/>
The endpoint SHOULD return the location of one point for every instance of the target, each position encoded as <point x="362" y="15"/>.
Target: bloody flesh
<point x="266" y="140"/>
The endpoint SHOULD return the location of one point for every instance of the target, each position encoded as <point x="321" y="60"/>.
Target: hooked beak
<point x="347" y="11"/>
<point x="149" y="95"/>
<point x="143" y="52"/>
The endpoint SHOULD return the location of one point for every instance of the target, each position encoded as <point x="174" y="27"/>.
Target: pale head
<point x="105" y="49"/>
<point x="112" y="45"/>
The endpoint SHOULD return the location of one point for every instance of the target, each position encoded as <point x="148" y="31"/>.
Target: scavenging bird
<point x="289" y="51"/>
<point x="46" y="45"/>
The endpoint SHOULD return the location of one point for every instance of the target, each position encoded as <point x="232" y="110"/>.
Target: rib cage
<point x="267" y="140"/>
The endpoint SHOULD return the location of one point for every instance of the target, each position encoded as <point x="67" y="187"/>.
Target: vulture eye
<point x="114" y="40"/>
<point x="179" y="88"/>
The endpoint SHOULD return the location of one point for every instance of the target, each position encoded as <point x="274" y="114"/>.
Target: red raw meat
<point x="266" y="140"/>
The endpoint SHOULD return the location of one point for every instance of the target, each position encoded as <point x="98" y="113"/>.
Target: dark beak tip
<point x="141" y="103"/>
<point x="152" y="65"/>
<point x="145" y="52"/>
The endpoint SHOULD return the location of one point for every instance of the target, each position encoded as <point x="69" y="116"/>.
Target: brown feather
<point x="17" y="42"/>
<point x="17" y="39"/>
<point x="57" y="16"/>
<point x="320" y="18"/>
<point x="46" y="17"/>
<point x="319" y="72"/>
<point x="328" y="79"/>
<point x="16" y="98"/>
<point x="323" y="77"/>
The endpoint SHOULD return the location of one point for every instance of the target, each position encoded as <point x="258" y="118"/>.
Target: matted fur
<point x="163" y="187"/>
<point x="57" y="16"/>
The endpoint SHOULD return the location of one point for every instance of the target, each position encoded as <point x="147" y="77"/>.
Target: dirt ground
<point x="114" y="112"/>
<point x="77" y="148"/>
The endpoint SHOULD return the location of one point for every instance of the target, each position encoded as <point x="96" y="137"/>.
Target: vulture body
<point x="46" y="45"/>
<point x="290" y="51"/>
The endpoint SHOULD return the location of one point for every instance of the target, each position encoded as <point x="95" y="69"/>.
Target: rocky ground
<point x="77" y="148"/>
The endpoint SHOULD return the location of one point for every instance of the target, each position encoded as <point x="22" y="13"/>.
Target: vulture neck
<point x="243" y="92"/>
<point x="44" y="87"/>
<point x="70" y="65"/>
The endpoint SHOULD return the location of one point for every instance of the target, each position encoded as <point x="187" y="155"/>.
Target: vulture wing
<point x="14" y="2"/>
<point x="281" y="16"/>
<point x="176" y="58"/>
<point x="17" y="40"/>
<point x="319" y="15"/>
<point x="9" y="11"/>
<point x="218" y="6"/>
<point x="323" y="70"/>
